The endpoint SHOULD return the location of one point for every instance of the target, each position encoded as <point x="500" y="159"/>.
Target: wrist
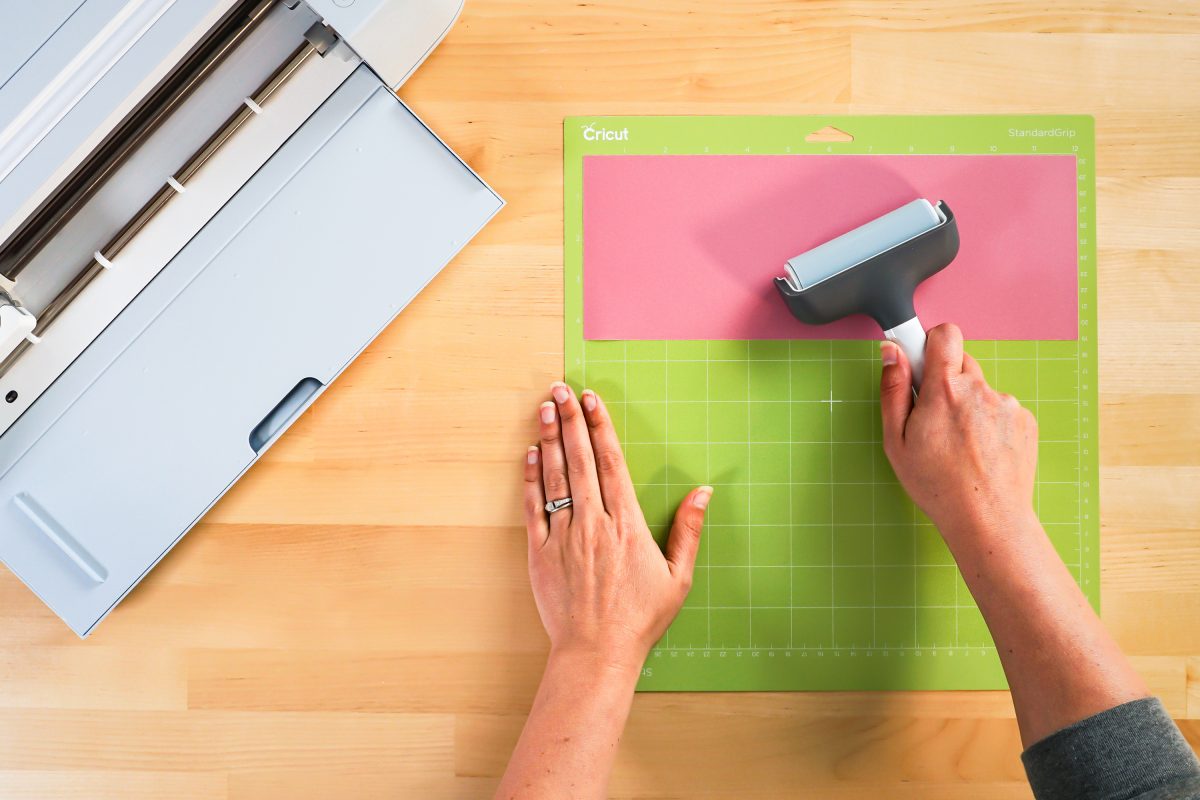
<point x="1009" y="535"/>
<point x="988" y="524"/>
<point x="597" y="664"/>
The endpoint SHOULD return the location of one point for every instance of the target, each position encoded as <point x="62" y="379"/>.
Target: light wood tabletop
<point x="354" y="618"/>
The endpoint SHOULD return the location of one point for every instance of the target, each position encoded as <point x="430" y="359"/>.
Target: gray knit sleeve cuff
<point x="1131" y="751"/>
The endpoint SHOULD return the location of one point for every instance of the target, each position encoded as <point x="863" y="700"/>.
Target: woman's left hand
<point x="603" y="587"/>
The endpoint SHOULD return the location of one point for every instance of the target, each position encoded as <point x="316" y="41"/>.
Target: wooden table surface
<point x="354" y="619"/>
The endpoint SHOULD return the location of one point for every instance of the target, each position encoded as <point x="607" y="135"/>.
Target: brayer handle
<point x="910" y="336"/>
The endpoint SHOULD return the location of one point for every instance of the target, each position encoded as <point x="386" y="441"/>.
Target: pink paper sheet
<point x="685" y="247"/>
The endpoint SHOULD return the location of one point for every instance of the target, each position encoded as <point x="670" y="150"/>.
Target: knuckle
<point x="577" y="467"/>
<point x="946" y="384"/>
<point x="533" y="508"/>
<point x="950" y="330"/>
<point x="609" y="461"/>
<point x="556" y="476"/>
<point x="549" y="436"/>
<point x="892" y="382"/>
<point x="626" y="528"/>
<point x="943" y="339"/>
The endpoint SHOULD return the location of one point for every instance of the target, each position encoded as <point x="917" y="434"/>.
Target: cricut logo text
<point x="593" y="134"/>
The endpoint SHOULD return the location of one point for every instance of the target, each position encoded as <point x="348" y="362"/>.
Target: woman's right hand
<point x="965" y="453"/>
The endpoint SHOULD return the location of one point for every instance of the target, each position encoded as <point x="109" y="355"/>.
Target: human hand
<point x="965" y="453"/>
<point x="602" y="585"/>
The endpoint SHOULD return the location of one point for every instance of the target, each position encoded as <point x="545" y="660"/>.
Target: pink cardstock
<point x="686" y="247"/>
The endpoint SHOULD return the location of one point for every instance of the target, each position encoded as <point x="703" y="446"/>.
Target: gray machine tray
<point x="236" y="336"/>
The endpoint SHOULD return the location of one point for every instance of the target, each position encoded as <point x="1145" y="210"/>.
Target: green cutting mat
<point x="816" y="571"/>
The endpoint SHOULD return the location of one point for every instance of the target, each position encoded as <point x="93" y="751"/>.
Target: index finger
<point x="943" y="352"/>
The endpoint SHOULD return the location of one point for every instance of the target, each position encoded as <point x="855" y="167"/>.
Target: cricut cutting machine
<point x="208" y="208"/>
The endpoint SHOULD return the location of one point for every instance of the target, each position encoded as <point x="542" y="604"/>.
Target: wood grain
<point x="354" y="618"/>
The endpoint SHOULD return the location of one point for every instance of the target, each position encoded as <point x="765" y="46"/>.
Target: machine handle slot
<point x="290" y="407"/>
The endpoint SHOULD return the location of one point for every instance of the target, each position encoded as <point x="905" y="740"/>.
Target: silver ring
<point x="558" y="505"/>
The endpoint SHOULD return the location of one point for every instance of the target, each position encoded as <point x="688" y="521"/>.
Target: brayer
<point x="874" y="270"/>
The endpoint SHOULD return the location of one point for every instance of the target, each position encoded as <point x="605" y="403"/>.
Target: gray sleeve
<point x="1131" y="752"/>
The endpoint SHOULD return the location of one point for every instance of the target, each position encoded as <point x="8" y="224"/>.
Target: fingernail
<point x="546" y="412"/>
<point x="700" y="499"/>
<point x="887" y="351"/>
<point x="560" y="392"/>
<point x="531" y="456"/>
<point x="589" y="400"/>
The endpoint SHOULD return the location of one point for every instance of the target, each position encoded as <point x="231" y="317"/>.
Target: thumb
<point x="684" y="540"/>
<point x="895" y="393"/>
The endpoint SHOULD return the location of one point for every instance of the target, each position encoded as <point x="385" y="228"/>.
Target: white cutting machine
<point x="208" y="208"/>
